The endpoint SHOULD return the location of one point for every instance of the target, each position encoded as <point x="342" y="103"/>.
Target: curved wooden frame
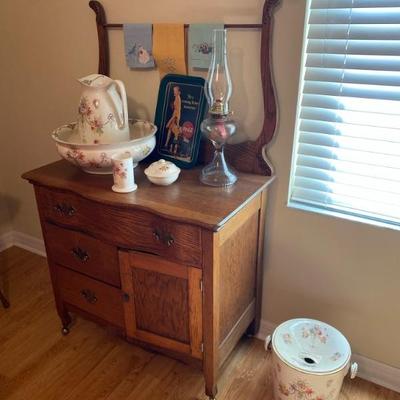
<point x="249" y="156"/>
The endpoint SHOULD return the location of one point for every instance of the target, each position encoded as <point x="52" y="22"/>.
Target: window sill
<point x="343" y="215"/>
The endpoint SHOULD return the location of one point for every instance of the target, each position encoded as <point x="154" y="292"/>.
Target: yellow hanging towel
<point x="169" y="48"/>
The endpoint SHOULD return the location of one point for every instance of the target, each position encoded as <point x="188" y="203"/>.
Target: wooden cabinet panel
<point x="165" y="302"/>
<point x="83" y="253"/>
<point x="122" y="227"/>
<point x="161" y="304"/>
<point x="96" y="298"/>
<point x="238" y="256"/>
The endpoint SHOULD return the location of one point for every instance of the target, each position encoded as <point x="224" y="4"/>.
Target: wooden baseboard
<point x="368" y="369"/>
<point x="19" y="239"/>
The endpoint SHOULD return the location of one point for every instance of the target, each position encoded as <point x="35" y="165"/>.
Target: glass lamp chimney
<point x="219" y="84"/>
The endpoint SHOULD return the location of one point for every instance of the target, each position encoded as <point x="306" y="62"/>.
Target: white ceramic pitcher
<point x="103" y="111"/>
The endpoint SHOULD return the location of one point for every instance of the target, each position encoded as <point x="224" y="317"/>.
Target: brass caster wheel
<point x="64" y="331"/>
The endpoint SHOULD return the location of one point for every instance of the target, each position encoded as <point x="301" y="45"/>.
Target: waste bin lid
<point x="311" y="346"/>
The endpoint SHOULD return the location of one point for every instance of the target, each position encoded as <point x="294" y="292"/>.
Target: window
<point x="346" y="156"/>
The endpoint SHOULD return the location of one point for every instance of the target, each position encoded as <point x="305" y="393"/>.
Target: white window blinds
<point x="346" y="154"/>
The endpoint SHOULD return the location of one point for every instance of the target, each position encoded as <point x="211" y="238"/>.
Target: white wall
<point x="342" y="272"/>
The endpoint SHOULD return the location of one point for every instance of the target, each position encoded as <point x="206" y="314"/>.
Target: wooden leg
<point x="66" y="322"/>
<point x="211" y="391"/>
<point x="255" y="325"/>
<point x="3" y="300"/>
<point x="210" y="313"/>
<point x="61" y="310"/>
<point x="251" y="330"/>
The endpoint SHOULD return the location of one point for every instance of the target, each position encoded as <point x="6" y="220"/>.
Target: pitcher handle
<point x="122" y="93"/>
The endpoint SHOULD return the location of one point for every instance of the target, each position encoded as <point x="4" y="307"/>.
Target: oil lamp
<point x="218" y="127"/>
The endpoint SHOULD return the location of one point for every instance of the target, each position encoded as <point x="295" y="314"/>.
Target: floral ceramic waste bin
<point x="310" y="359"/>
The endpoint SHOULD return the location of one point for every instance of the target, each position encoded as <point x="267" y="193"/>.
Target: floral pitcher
<point x="103" y="111"/>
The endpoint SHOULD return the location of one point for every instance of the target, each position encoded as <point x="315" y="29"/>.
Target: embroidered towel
<point x="138" y="45"/>
<point x="169" y="48"/>
<point x="200" y="44"/>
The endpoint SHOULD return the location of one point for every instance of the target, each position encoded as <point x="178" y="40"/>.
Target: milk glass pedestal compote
<point x="218" y="127"/>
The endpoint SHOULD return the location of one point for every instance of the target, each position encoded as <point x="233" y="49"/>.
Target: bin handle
<point x="353" y="370"/>
<point x="267" y="343"/>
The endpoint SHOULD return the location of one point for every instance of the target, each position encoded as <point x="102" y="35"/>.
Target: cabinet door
<point x="163" y="302"/>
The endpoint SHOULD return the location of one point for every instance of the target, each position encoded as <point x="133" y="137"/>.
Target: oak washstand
<point x="177" y="269"/>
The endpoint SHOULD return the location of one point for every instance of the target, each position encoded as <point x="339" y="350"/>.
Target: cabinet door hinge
<point x="201" y="285"/>
<point x="202" y="347"/>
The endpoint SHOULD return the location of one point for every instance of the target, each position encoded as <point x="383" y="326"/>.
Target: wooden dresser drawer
<point x="89" y="295"/>
<point x="83" y="253"/>
<point x="122" y="226"/>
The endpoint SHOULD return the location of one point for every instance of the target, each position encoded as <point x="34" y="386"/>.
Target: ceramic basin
<point x="96" y="158"/>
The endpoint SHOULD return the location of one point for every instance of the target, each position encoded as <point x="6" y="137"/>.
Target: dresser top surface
<point x="186" y="200"/>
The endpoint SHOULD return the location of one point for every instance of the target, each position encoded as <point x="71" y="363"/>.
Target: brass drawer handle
<point x="89" y="296"/>
<point x="163" y="237"/>
<point x="168" y="239"/>
<point x="156" y="235"/>
<point x="64" y="209"/>
<point x="80" y="254"/>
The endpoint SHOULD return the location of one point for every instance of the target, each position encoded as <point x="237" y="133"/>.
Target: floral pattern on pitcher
<point x="86" y="115"/>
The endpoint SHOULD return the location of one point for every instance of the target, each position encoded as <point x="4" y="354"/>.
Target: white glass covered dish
<point x="162" y="172"/>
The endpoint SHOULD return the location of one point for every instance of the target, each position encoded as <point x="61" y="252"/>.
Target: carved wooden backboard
<point x="251" y="155"/>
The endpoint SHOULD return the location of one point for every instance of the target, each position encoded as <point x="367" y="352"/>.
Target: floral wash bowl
<point x="96" y="158"/>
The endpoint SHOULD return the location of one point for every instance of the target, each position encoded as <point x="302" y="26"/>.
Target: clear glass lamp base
<point x="218" y="173"/>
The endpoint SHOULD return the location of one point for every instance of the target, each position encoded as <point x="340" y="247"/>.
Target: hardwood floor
<point x="38" y="363"/>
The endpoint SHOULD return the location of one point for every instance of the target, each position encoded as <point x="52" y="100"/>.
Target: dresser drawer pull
<point x="89" y="296"/>
<point x="65" y="209"/>
<point x="80" y="254"/>
<point x="163" y="237"/>
<point x="156" y="235"/>
<point x="168" y="240"/>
